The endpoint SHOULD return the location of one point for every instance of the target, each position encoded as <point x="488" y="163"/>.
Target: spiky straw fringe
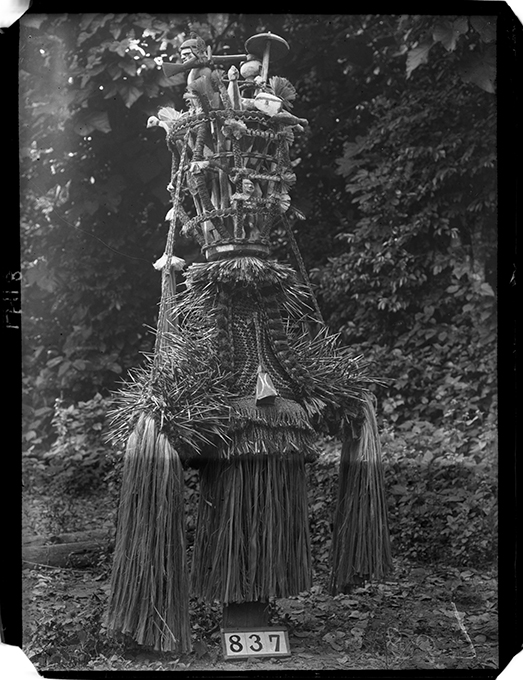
<point x="249" y="272"/>
<point x="279" y="442"/>
<point x="283" y="413"/>
<point x="252" y="537"/>
<point x="277" y="429"/>
<point x="333" y="378"/>
<point x="334" y="373"/>
<point x="183" y="387"/>
<point x="360" y="544"/>
<point x="149" y="584"/>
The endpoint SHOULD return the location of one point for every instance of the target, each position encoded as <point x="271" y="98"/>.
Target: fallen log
<point x="74" y="537"/>
<point x="60" y="551"/>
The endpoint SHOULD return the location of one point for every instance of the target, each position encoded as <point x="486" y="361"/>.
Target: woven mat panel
<point x="246" y="357"/>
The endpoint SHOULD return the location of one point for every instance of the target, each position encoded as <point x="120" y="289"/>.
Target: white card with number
<point x="239" y="644"/>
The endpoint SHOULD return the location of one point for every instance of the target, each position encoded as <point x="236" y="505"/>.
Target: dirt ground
<point x="423" y="617"/>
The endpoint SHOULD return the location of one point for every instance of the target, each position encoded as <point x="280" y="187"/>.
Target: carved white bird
<point x="153" y="121"/>
<point x="165" y="119"/>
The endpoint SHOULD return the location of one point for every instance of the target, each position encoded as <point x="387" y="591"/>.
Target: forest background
<point x="397" y="180"/>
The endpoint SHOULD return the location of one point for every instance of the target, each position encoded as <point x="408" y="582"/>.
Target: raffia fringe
<point x="252" y="538"/>
<point x="283" y="413"/>
<point x="361" y="543"/>
<point x="286" y="442"/>
<point x="281" y="429"/>
<point x="149" y="584"/>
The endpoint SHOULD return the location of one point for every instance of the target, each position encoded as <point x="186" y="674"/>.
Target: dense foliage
<point x="396" y="177"/>
<point x="414" y="284"/>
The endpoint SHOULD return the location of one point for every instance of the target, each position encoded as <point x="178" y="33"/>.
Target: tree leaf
<point x="110" y="91"/>
<point x="485" y="26"/>
<point x="55" y="361"/>
<point x="89" y="121"/>
<point x="100" y="121"/>
<point x="446" y="35"/>
<point x="479" y="69"/>
<point x="64" y="368"/>
<point x="129" y="93"/>
<point x="461" y="25"/>
<point x="417" y="56"/>
<point x="115" y="31"/>
<point x="81" y="95"/>
<point x="87" y="20"/>
<point x="128" y="66"/>
<point x="40" y="274"/>
<point x="114" y="70"/>
<point x="346" y="163"/>
<point x="486" y="289"/>
<point x="398" y="489"/>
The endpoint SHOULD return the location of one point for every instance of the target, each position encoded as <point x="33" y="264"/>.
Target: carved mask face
<point x="186" y="53"/>
<point x="247" y="186"/>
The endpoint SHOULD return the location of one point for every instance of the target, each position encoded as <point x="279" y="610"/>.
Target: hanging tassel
<point x="149" y="585"/>
<point x="361" y="543"/>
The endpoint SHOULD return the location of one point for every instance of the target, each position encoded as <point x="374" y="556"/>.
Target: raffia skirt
<point x="252" y="539"/>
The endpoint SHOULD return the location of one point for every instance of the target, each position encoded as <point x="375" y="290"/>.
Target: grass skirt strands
<point x="149" y="587"/>
<point x="361" y="543"/>
<point x="252" y="539"/>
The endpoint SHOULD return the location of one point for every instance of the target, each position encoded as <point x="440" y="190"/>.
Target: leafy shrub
<point x="37" y="435"/>
<point x="67" y="625"/>
<point x="441" y="489"/>
<point x="441" y="367"/>
<point x="78" y="461"/>
<point x="442" y="493"/>
<point x="322" y="484"/>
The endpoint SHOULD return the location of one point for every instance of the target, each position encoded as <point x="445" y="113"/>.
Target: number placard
<point x="239" y="644"/>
